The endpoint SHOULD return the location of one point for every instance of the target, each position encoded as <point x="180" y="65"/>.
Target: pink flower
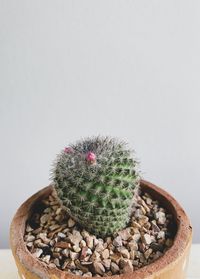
<point x="68" y="150"/>
<point x="91" y="157"/>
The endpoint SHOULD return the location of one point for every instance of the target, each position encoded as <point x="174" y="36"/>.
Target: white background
<point x="70" y="69"/>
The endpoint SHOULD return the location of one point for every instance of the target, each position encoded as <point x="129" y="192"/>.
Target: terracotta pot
<point x="172" y="265"/>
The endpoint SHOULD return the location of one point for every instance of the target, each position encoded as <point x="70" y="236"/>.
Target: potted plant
<point x="98" y="218"/>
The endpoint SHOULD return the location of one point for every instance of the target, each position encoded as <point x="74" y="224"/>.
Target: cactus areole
<point x="95" y="180"/>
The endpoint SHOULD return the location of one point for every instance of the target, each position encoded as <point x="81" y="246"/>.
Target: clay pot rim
<point x="181" y="241"/>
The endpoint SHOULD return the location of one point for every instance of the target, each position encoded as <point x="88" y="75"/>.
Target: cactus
<point x="95" y="179"/>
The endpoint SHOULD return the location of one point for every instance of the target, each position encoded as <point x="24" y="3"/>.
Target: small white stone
<point x="147" y="239"/>
<point x="38" y="252"/>
<point x="76" y="248"/>
<point x="29" y="244"/>
<point x="61" y="235"/>
<point x="29" y="238"/>
<point x="29" y="229"/>
<point x="46" y="259"/>
<point x="161" y="235"/>
<point x="82" y="243"/>
<point x="71" y="223"/>
<point x="89" y="251"/>
<point x="160" y="217"/>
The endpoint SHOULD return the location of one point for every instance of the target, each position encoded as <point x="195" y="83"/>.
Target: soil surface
<point x="58" y="241"/>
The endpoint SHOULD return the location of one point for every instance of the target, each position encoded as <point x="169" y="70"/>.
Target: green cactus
<point x="95" y="180"/>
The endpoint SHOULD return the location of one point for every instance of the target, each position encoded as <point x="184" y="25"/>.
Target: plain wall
<point x="70" y="69"/>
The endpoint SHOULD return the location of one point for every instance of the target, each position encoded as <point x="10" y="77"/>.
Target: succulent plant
<point x="95" y="179"/>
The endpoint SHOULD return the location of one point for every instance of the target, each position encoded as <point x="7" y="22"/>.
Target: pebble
<point x="143" y="220"/>
<point x="82" y="243"/>
<point x="160" y="216"/>
<point x="99" y="247"/>
<point x="56" y="262"/>
<point x="99" y="268"/>
<point x="29" y="244"/>
<point x="44" y="218"/>
<point x="63" y="244"/>
<point x="105" y="254"/>
<point x="54" y="227"/>
<point x="124" y="252"/>
<point x="161" y="235"/>
<point x="114" y="268"/>
<point x="95" y="256"/>
<point x="75" y="237"/>
<point x="155" y="226"/>
<point x="43" y="237"/>
<point x="90" y="241"/>
<point x="132" y="254"/>
<point x="136" y="237"/>
<point x="65" y="252"/>
<point x="61" y="235"/>
<point x="106" y="263"/>
<point x="88" y="274"/>
<point x="169" y="242"/>
<point x="133" y="245"/>
<point x="29" y="229"/>
<point x="73" y="255"/>
<point x="76" y="248"/>
<point x="85" y="252"/>
<point x="52" y="265"/>
<point x="128" y="267"/>
<point x="38" y="252"/>
<point x="148" y="252"/>
<point x="125" y="234"/>
<point x="46" y="259"/>
<point x="117" y="241"/>
<point x="70" y="223"/>
<point x="147" y="239"/>
<point x="29" y="238"/>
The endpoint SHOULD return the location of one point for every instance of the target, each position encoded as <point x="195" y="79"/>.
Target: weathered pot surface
<point x="172" y="265"/>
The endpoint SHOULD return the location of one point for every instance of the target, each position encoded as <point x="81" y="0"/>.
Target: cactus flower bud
<point x="68" y="150"/>
<point x="91" y="157"/>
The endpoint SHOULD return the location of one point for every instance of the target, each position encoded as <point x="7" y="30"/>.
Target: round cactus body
<point x="95" y="179"/>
